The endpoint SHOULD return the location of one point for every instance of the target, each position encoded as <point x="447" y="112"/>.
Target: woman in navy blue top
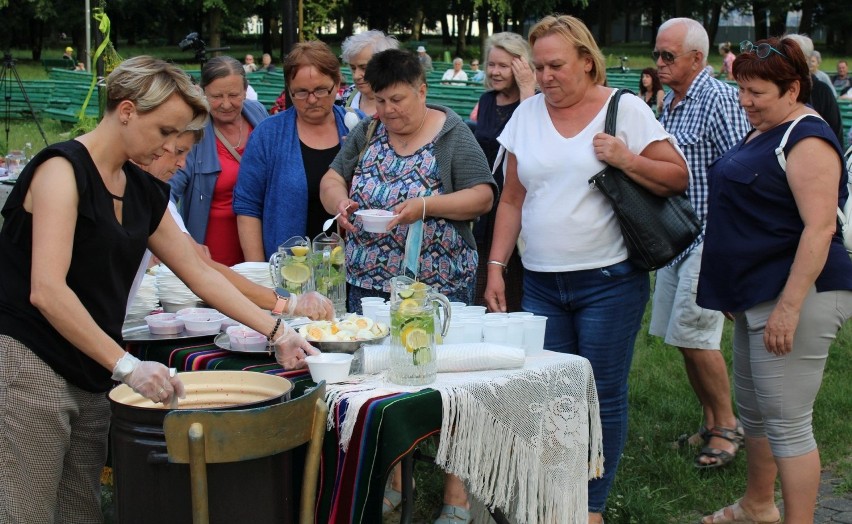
<point x="774" y="261"/>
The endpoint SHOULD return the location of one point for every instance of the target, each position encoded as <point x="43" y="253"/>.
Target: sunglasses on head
<point x="668" y="57"/>
<point x="761" y="50"/>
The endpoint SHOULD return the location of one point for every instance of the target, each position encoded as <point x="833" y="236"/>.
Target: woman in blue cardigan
<point x="203" y="189"/>
<point x="277" y="194"/>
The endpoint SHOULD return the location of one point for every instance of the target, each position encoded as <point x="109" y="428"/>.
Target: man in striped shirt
<point x="705" y="117"/>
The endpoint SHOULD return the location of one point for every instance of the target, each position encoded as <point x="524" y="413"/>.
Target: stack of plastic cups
<point x="369" y="306"/>
<point x="383" y="314"/>
<point x="471" y="318"/>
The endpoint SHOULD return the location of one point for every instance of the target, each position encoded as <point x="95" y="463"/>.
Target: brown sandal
<point x="722" y="458"/>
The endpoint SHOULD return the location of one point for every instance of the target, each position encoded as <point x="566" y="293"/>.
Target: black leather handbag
<point x="656" y="229"/>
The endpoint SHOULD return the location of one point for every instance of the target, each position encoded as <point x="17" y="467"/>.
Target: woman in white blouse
<point x="576" y="271"/>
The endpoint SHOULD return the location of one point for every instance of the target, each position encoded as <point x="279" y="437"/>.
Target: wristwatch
<point x="281" y="295"/>
<point x="125" y="366"/>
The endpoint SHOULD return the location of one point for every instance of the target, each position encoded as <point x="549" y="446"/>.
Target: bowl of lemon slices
<point x="344" y="335"/>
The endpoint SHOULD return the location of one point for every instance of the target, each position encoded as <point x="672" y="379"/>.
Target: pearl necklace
<point x="414" y="134"/>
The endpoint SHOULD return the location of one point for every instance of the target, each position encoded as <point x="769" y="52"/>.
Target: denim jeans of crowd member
<point x="596" y="314"/>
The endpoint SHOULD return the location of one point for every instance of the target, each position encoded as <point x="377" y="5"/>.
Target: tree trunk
<point x="496" y="22"/>
<point x="604" y="22"/>
<point x="445" y="30"/>
<point x="36" y="37"/>
<point x="758" y="8"/>
<point x="347" y="19"/>
<point x="656" y="20"/>
<point x="778" y="22"/>
<point x="215" y="20"/>
<point x="806" y="24"/>
<point x="418" y="23"/>
<point x="713" y="25"/>
<point x="461" y="37"/>
<point x="266" y="34"/>
<point x="482" y="20"/>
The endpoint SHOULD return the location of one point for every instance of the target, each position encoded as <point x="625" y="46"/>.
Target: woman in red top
<point x="204" y="188"/>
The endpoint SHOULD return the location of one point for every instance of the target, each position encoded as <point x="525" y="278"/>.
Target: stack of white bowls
<point x="146" y="298"/>
<point x="173" y="293"/>
<point x="257" y="272"/>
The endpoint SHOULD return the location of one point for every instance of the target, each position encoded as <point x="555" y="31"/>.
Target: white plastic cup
<point x="515" y="332"/>
<point x="455" y="333"/>
<point x="457" y="305"/>
<point x="472" y="330"/>
<point x="369" y="309"/>
<point x="520" y="314"/>
<point x="534" y="328"/>
<point x="496" y="316"/>
<point x="472" y="311"/>
<point x="383" y="314"/>
<point x="379" y="300"/>
<point x="495" y="331"/>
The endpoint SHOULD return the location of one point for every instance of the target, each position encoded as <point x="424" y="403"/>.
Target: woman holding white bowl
<point x="421" y="162"/>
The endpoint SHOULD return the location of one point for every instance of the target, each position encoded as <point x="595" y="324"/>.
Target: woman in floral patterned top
<point x="419" y="161"/>
<point x="423" y="163"/>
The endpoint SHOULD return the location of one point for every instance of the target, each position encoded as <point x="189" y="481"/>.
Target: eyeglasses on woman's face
<point x="320" y="92"/>
<point x="761" y="50"/>
<point x="668" y="57"/>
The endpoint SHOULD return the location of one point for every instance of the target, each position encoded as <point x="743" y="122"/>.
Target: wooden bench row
<point x="57" y="99"/>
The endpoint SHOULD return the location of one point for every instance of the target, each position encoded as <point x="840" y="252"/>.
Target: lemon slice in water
<point x="414" y="338"/>
<point x="299" y="251"/>
<point x="297" y="273"/>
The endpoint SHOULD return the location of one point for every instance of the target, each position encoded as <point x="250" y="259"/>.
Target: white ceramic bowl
<point x="375" y="220"/>
<point x="244" y="338"/>
<point x="331" y="367"/>
<point x="203" y="323"/>
<point x="164" y="324"/>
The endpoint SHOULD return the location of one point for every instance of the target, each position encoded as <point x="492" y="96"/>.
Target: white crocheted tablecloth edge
<point x="531" y="456"/>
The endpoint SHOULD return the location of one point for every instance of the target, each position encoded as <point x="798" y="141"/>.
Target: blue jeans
<point x="596" y="314"/>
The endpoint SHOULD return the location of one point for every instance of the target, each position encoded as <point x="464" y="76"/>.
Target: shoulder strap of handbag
<point x="227" y="145"/>
<point x="612" y="112"/>
<point x="844" y="216"/>
<point x="371" y="130"/>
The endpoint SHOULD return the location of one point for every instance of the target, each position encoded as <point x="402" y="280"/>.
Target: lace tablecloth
<point x="524" y="440"/>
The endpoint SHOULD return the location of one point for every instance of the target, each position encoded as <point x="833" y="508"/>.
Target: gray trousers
<point x="53" y="443"/>
<point x="775" y="395"/>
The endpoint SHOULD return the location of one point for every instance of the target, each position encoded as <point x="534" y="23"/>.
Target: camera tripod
<point x="8" y="75"/>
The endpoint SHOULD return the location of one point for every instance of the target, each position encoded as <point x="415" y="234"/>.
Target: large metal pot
<point x="150" y="489"/>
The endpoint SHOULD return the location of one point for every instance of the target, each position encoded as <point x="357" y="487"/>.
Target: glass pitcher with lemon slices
<point x="327" y="261"/>
<point x="414" y="307"/>
<point x="290" y="267"/>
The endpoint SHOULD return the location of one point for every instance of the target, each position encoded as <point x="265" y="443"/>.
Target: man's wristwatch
<point x="281" y="296"/>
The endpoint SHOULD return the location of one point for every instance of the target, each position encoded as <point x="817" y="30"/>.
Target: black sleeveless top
<point x="490" y="121"/>
<point x="104" y="260"/>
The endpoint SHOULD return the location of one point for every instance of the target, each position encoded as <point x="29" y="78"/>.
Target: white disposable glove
<point x="291" y="349"/>
<point x="312" y="305"/>
<point x="153" y="381"/>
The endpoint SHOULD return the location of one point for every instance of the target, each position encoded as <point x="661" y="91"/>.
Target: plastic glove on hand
<point x="313" y="305"/>
<point x="152" y="380"/>
<point x="291" y="349"/>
